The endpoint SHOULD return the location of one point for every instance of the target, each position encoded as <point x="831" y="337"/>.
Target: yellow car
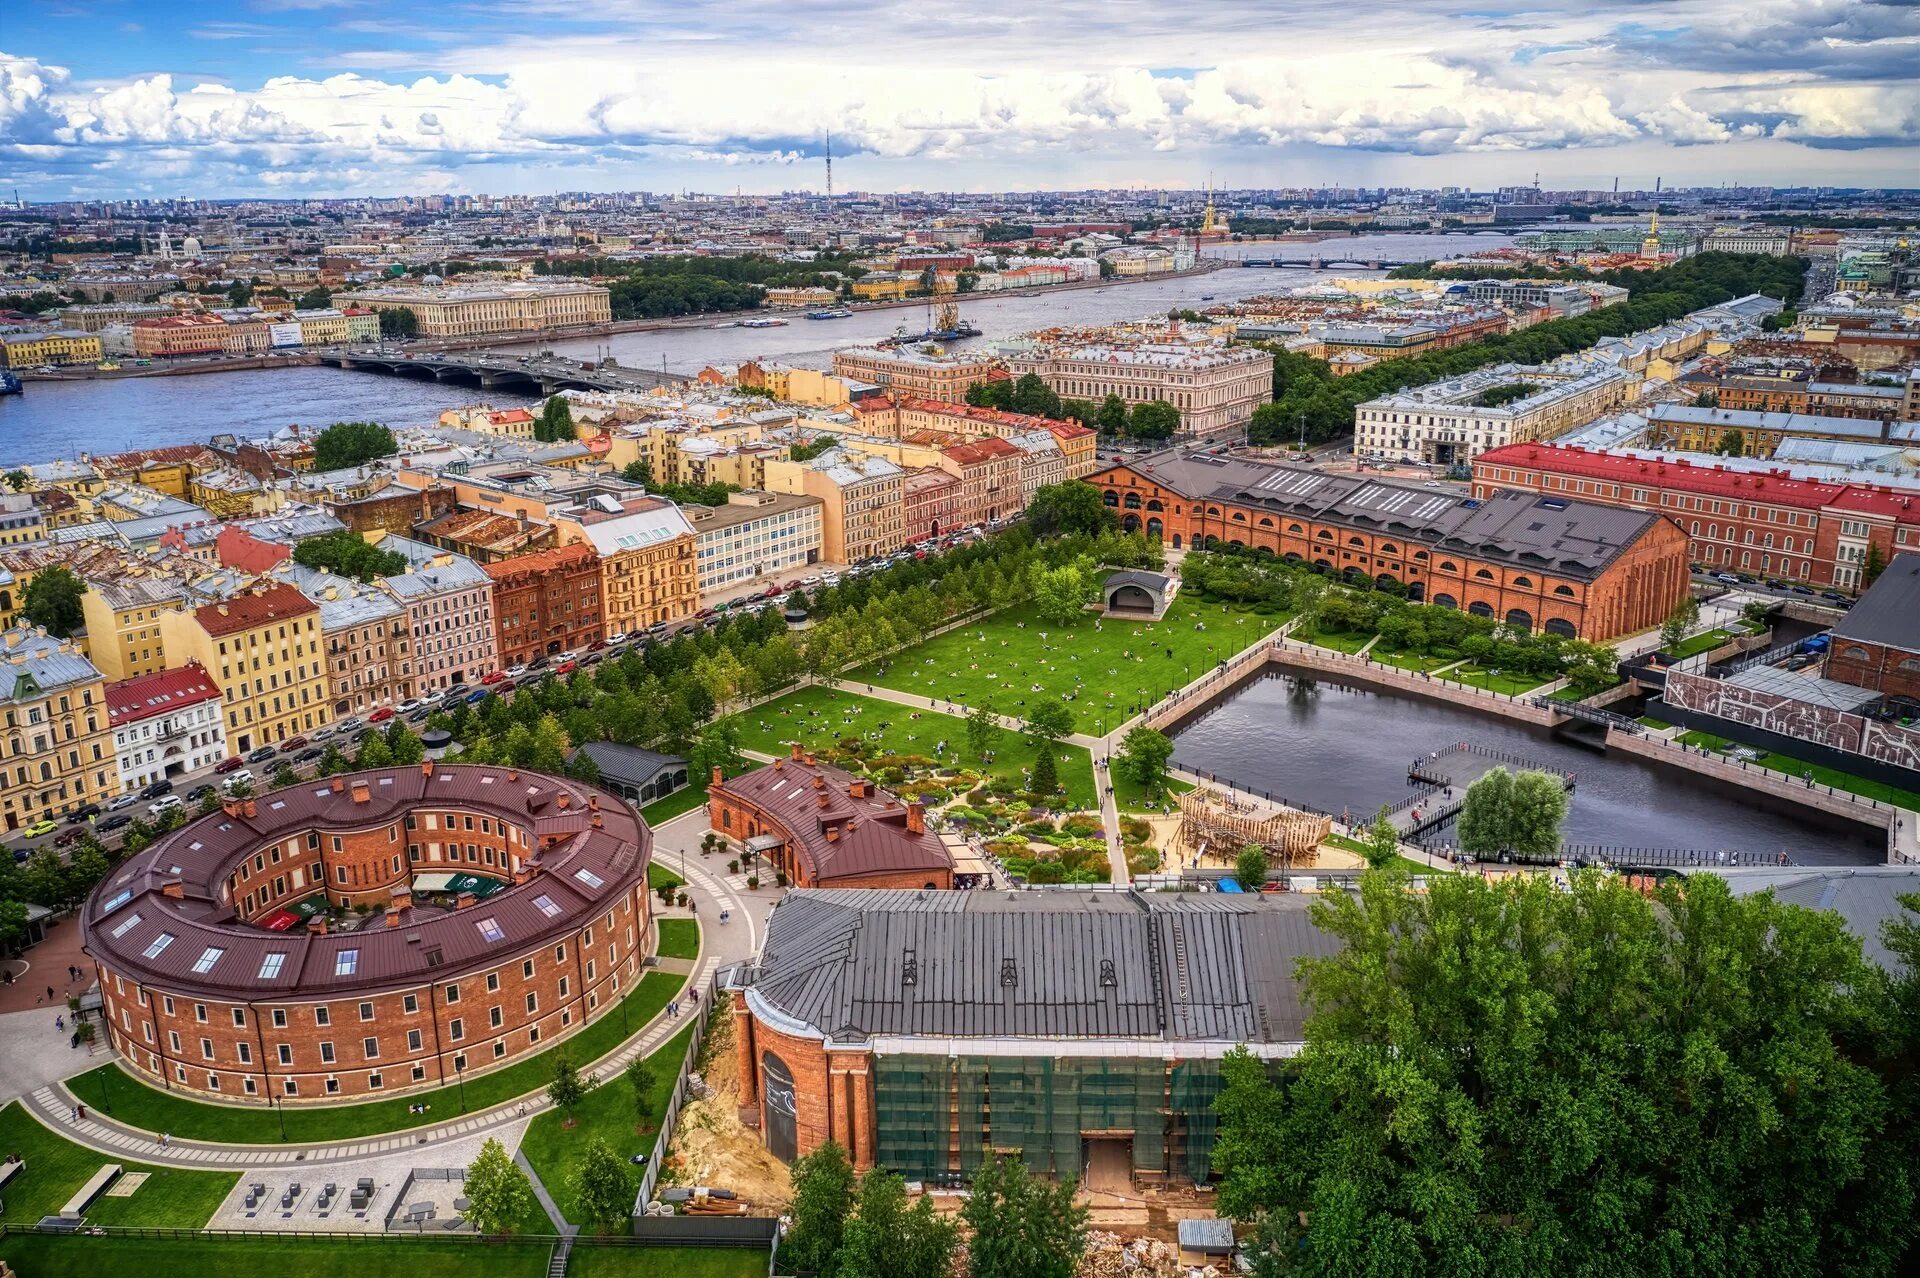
<point x="39" y="828"/>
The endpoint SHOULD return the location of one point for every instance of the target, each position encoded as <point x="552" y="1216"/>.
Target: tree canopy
<point x="1071" y="507"/>
<point x="1020" y="1225"/>
<point x="498" y="1193"/>
<point x="1143" y="757"/>
<point x="346" y="444"/>
<point x="1513" y="812"/>
<point x="1504" y="1078"/>
<point x="1154" y="420"/>
<point x="554" y="425"/>
<point x="346" y="552"/>
<point x="52" y="600"/>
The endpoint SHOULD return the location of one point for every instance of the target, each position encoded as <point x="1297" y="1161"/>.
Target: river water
<point x="59" y="419"/>
<point x="1345" y="748"/>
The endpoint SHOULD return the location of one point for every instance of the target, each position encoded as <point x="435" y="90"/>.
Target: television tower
<point x="829" y="166"/>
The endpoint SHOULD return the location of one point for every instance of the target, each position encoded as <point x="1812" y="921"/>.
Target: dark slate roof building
<point x="1889" y="612"/>
<point x="637" y="775"/>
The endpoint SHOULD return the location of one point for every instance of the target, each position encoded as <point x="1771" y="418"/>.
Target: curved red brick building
<point x="372" y="932"/>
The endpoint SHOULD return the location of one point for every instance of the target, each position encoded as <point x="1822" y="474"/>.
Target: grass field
<point x="1014" y="657"/>
<point x="1330" y="639"/>
<point x="111" y="1090"/>
<point x="52" y="1256"/>
<point x="1358" y="848"/>
<point x="1419" y="663"/>
<point x="679" y="938"/>
<point x="1129" y="797"/>
<point x="1701" y="643"/>
<point x="608" y="1113"/>
<point x="56" y="1168"/>
<point x="1786" y="763"/>
<point x="677" y="1262"/>
<point x="818" y="717"/>
<point x="659" y="876"/>
<point x="1511" y="685"/>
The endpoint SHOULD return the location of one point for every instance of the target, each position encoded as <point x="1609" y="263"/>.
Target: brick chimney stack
<point x="717" y="777"/>
<point x="916" y="818"/>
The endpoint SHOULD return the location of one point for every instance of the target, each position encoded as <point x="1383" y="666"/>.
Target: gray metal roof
<point x="853" y="964"/>
<point x="1889" y="613"/>
<point x="33" y="663"/>
<point x="630" y="764"/>
<point x="1863" y="896"/>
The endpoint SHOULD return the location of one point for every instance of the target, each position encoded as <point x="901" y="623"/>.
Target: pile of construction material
<point x="1110" y="1255"/>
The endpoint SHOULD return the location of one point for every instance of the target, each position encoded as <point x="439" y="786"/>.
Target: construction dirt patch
<point x="711" y="1146"/>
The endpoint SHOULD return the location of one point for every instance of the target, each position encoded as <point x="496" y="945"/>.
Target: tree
<point x="822" y="1201"/>
<point x="332" y="762"/>
<point x="1021" y="1226"/>
<point x="582" y="768"/>
<point x="603" y="1184"/>
<point x="983" y="729"/>
<point x="1732" y="444"/>
<point x="404" y="747"/>
<point x="1050" y="720"/>
<point x="1153" y="420"/>
<point x="374" y="752"/>
<point x="346" y="444"/>
<point x="1250" y="868"/>
<point x="399" y="321"/>
<point x="1876" y="563"/>
<point x="240" y="294"/>
<point x="887" y="1239"/>
<point x="1513" y="812"/>
<point x="18" y="480"/>
<point x="638" y="472"/>
<point x="1144" y="753"/>
<point x="347" y="553"/>
<point x="315" y="299"/>
<point x="1033" y="396"/>
<point x="52" y="600"/>
<point x="1112" y="418"/>
<point x="717" y="746"/>
<point x="1063" y="510"/>
<point x="555" y="423"/>
<point x="13" y="925"/>
<point x="569" y="1087"/>
<point x="1383" y="841"/>
<point x="641" y="1078"/>
<point x="1060" y="594"/>
<point x="1673" y="631"/>
<point x="1578" y="1081"/>
<point x="499" y="1195"/>
<point x="1045" y="779"/>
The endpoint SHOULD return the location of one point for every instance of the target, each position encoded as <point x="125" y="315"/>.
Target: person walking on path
<point x="166" y="1139"/>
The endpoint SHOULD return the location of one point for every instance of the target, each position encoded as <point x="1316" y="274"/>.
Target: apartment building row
<point x="242" y="331"/>
<point x="1739" y="514"/>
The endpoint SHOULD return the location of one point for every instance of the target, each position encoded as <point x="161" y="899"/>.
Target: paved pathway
<point x="720" y="945"/>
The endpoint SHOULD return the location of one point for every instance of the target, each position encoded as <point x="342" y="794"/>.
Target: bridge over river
<point x="541" y="374"/>
<point x="1324" y="263"/>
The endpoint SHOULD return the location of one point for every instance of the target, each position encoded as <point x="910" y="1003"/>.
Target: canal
<point x="60" y="419"/>
<point x="1341" y="747"/>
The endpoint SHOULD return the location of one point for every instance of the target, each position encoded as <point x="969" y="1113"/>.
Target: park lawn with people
<point x="1130" y="796"/>
<point x="112" y="1090"/>
<point x="1503" y="682"/>
<point x="56" y="1168"/>
<point x="819" y="718"/>
<point x="1103" y="667"/>
<point x="606" y="1113"/>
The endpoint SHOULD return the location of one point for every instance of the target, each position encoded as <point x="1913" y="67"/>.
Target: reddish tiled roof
<point x="144" y="696"/>
<point x="238" y="548"/>
<point x="1020" y="422"/>
<point x="978" y="452"/>
<point x="1773" y="486"/>
<point x="255" y="608"/>
<point x="562" y="559"/>
<point x="847" y="838"/>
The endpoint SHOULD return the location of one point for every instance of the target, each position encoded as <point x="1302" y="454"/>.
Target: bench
<point x="11" y="1168"/>
<point x="95" y="1186"/>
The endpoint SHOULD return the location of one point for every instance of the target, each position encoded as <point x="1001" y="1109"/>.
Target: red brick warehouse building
<point x="1571" y="568"/>
<point x="546" y="602"/>
<point x="374" y="932"/>
<point x="824" y="827"/>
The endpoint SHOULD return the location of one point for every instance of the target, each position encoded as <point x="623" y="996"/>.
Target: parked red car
<point x="496" y="677"/>
<point x="565" y="667"/>
<point x="229" y="765"/>
<point x="381" y="715"/>
<point x="293" y="744"/>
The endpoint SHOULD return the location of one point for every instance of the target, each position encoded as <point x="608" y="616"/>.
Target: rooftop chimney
<point x="426" y="767"/>
<point x="719" y="776"/>
<point x="824" y="801"/>
<point x="916" y="818"/>
<point x="833" y="834"/>
<point x="464" y="900"/>
<point x="562" y="799"/>
<point x="859" y="788"/>
<point x="173" y="888"/>
<point x="393" y="917"/>
<point x="794" y="747"/>
<point x="317" y="925"/>
<point x="361" y="793"/>
<point x="339" y="785"/>
<point x="778" y="764"/>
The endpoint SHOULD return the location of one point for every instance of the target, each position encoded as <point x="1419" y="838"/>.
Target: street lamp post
<point x="460" y="1076"/>
<point x="280" y="1111"/>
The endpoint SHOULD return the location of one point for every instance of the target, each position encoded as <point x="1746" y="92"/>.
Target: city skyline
<point x="294" y="98"/>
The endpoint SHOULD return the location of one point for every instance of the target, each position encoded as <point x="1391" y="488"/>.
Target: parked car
<point x="478" y="695"/>
<point x="309" y="755"/>
<point x="165" y="804"/>
<point x="381" y="715"/>
<point x="119" y="820"/>
<point x="1726" y="577"/>
<point x="517" y="669"/>
<point x="157" y="788"/>
<point x="262" y="754"/>
<point x="293" y="743"/>
<point x="69" y="835"/>
<point x="1801" y="590"/>
<point x="321" y="734"/>
<point x="352" y="723"/>
<point x="409" y="705"/>
<point x="1833" y="595"/>
<point x="84" y="811"/>
<point x="489" y="679"/>
<point x="618" y="636"/>
<point x="565" y="667"/>
<point x="39" y="828"/>
<point x="124" y="801"/>
<point x="198" y="793"/>
<point x="228" y="765"/>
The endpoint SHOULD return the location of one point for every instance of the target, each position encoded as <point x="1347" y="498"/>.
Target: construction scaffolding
<point x="1222" y="821"/>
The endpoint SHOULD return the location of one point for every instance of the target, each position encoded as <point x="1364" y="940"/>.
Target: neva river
<point x="60" y="419"/>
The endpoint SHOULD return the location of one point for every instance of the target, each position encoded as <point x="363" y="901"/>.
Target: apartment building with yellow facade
<point x="34" y="350"/>
<point x="649" y="572"/>
<point x="264" y="649"/>
<point x="863" y="509"/>
<point x="58" y="745"/>
<point x="461" y="310"/>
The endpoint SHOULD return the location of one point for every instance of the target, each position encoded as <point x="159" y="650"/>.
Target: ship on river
<point x="10" y="384"/>
<point x="945" y="325"/>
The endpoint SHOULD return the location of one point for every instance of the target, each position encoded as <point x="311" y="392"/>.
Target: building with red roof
<point x="265" y="649"/>
<point x="989" y="473"/>
<point x="1740" y="515"/>
<point x="239" y="549"/>
<point x="825" y="827"/>
<point x="165" y="724"/>
<point x="546" y="602"/>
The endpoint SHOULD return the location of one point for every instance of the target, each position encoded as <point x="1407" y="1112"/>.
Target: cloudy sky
<point x="333" y="97"/>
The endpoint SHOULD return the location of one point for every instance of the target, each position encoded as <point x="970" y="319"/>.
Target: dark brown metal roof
<point x="127" y="914"/>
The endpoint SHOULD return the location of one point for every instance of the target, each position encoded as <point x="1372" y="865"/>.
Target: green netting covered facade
<point x="938" y="1117"/>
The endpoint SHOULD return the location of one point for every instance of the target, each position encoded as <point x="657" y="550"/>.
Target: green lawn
<point x="1337" y="641"/>
<point x="608" y="1113"/>
<point x="1105" y="670"/>
<point x="1420" y="663"/>
<point x="686" y="800"/>
<point x="1862" y="786"/>
<point x="1358" y="848"/>
<point x="1652" y="722"/>
<point x="659" y="876"/>
<point x="56" y="1168"/>
<point x="153" y="1110"/>
<point x="54" y="1256"/>
<point x="1701" y="643"/>
<point x="1510" y="684"/>
<point x="1129" y="797"/>
<point x="679" y="938"/>
<point x="819" y="717"/>
<point x="679" y="1262"/>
